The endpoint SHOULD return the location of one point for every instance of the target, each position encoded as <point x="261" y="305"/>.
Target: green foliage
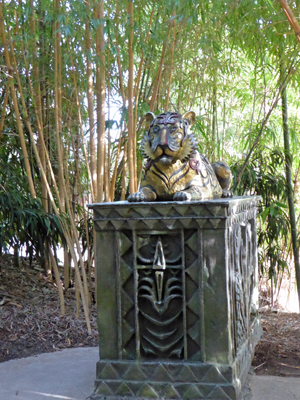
<point x="264" y="176"/>
<point x="23" y="221"/>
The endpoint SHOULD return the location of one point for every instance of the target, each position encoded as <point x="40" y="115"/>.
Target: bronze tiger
<point x="175" y="170"/>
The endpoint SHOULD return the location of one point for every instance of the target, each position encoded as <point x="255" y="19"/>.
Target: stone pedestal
<point x="177" y="298"/>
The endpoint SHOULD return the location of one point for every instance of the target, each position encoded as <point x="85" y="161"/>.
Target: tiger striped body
<point x="175" y="169"/>
<point x="180" y="176"/>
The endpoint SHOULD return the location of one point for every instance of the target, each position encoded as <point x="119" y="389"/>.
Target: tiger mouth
<point x="165" y="158"/>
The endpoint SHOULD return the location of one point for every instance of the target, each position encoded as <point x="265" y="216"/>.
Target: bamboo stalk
<point x="16" y="107"/>
<point x="140" y="174"/>
<point x="159" y="71"/>
<point x="172" y="58"/>
<point x="108" y="153"/>
<point x="106" y="178"/>
<point x="67" y="235"/>
<point x="70" y="242"/>
<point x="77" y="296"/>
<point x="57" y="104"/>
<point x="43" y="172"/>
<point x="84" y="150"/>
<point x="48" y="161"/>
<point x="4" y="106"/>
<point x="265" y="120"/>
<point x="192" y="82"/>
<point x="114" y="177"/>
<point x="100" y="87"/>
<point x="38" y="102"/>
<point x="57" y="111"/>
<point x="90" y="99"/>
<point x="89" y="260"/>
<point x="289" y="178"/>
<point x="131" y="144"/>
<point x="137" y="93"/>
<point x="124" y="173"/>
<point x="291" y="18"/>
<point x="67" y="265"/>
<point x="139" y="74"/>
<point x="120" y="74"/>
<point x="58" y="282"/>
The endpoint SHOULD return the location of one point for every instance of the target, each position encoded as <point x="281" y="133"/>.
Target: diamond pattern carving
<point x="171" y="393"/>
<point x="169" y="380"/>
<point x="134" y="373"/>
<point x="192" y="295"/>
<point x="127" y="300"/>
<point x="186" y="375"/>
<point x="218" y="393"/>
<point x="173" y="372"/>
<point x="108" y="372"/>
<point x="147" y="391"/>
<point x="161" y="374"/>
<point x="123" y="390"/>
<point x="193" y="393"/>
<point x="214" y="375"/>
<point x="128" y="216"/>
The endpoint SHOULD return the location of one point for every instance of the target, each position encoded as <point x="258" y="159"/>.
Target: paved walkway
<point x="69" y="375"/>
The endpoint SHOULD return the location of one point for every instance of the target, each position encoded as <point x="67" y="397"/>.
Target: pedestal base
<point x="175" y="380"/>
<point x="177" y="298"/>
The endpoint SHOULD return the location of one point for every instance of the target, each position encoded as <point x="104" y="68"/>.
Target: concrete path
<point x="64" y="375"/>
<point x="69" y="375"/>
<point x="274" y="388"/>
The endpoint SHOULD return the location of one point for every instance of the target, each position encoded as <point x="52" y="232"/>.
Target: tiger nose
<point x="163" y="137"/>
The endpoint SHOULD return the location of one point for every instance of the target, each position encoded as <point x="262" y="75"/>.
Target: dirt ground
<point x="31" y="323"/>
<point x="30" y="319"/>
<point x="278" y="352"/>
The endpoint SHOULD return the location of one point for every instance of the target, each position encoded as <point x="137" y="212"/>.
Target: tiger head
<point x="168" y="138"/>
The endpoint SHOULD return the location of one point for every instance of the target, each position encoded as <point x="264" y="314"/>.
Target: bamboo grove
<point x="77" y="78"/>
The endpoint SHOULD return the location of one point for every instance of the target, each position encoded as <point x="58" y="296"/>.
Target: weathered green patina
<point x="177" y="298"/>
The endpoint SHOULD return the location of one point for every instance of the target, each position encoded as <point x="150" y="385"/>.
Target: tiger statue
<point x="175" y="170"/>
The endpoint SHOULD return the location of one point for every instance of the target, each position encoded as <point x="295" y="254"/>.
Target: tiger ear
<point x="190" y="116"/>
<point x="149" y="119"/>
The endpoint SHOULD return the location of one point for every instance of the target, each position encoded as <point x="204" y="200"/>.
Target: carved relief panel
<point x="160" y="286"/>
<point x="243" y="253"/>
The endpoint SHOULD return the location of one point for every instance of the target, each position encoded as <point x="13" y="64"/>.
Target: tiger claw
<point x="137" y="197"/>
<point x="182" y="196"/>
<point x="226" y="193"/>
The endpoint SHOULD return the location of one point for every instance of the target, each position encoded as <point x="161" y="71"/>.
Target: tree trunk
<point x="288" y="171"/>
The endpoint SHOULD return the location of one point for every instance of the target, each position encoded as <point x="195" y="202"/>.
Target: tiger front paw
<point x="226" y="193"/>
<point x="136" y="197"/>
<point x="182" y="196"/>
